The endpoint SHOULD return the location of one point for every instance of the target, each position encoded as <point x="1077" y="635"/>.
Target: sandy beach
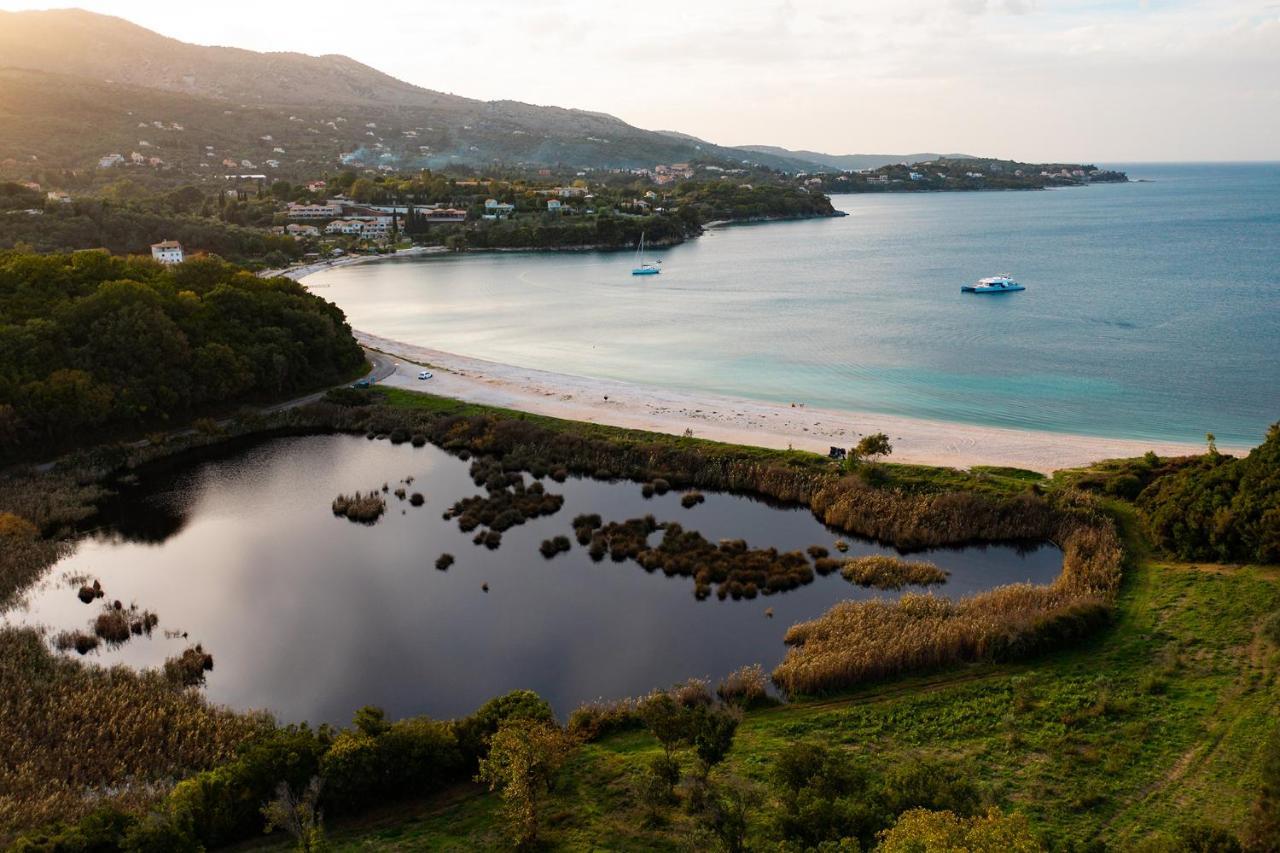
<point x="298" y="272"/>
<point x="740" y="421"/>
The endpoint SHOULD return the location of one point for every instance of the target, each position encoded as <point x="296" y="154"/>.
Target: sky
<point x="1039" y="80"/>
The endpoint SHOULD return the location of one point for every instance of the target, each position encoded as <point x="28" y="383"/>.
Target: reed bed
<point x="891" y="573"/>
<point x="76" y="737"/>
<point x="858" y="641"/>
<point x="360" y="507"/>
<point x="747" y="687"/>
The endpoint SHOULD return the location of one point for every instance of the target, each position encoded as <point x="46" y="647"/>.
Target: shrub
<point x="1219" y="508"/>
<point x="349" y="397"/>
<point x="376" y="760"/>
<point x="417" y="499"/>
<point x="746" y="688"/>
<point x="594" y="720"/>
<point x="553" y="546"/>
<point x="444" y="561"/>
<point x="112" y="625"/>
<point x="931" y="785"/>
<point x="691" y="499"/>
<point x="924" y="830"/>
<point x="222" y="805"/>
<point x="188" y="669"/>
<point x="825" y="797"/>
<point x="80" y="641"/>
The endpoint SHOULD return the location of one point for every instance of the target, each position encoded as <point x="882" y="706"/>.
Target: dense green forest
<point x="91" y="343"/>
<point x="131" y="225"/>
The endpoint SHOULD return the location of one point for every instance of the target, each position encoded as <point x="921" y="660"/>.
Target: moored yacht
<point x="992" y="284"/>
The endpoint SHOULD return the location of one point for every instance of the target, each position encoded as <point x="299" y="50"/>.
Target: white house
<point x="314" y="211"/>
<point x="295" y="230"/>
<point x="344" y="226"/>
<point x="495" y="209"/>
<point x="55" y="195"/>
<point x="554" y="206"/>
<point x="167" y="252"/>
<point x="110" y="160"/>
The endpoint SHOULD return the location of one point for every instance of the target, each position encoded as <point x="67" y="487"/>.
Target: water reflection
<point x="312" y="616"/>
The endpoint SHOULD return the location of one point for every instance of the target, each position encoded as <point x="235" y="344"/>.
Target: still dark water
<point x="312" y="616"/>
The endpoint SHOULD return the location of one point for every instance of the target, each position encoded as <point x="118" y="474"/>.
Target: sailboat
<point x="643" y="267"/>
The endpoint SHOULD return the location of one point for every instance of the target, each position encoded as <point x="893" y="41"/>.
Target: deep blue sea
<point x="1152" y="308"/>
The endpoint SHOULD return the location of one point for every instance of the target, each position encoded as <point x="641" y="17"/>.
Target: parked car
<point x="426" y="374"/>
<point x="363" y="383"/>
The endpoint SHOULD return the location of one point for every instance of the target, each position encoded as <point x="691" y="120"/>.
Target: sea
<point x="1151" y="309"/>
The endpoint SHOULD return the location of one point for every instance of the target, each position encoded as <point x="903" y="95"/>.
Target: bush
<point x="1220" y="508"/>
<point x="746" y="688"/>
<point x="222" y="805"/>
<point x="825" y="797"/>
<point x="188" y="668"/>
<point x="553" y="546"/>
<point x="374" y="760"/>
<point x="594" y="720"/>
<point x="473" y="732"/>
<point x="928" y="831"/>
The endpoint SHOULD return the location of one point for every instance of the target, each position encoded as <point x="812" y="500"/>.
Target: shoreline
<point x="750" y="422"/>
<point x="297" y="272"/>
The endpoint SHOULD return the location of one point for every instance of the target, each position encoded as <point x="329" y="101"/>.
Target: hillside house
<point x="167" y="252"/>
<point x="314" y="211"/>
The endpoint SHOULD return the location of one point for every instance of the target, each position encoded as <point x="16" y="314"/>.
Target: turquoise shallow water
<point x="1152" y="310"/>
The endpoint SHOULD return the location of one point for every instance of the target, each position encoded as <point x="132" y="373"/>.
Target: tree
<point x="710" y="730"/>
<point x="298" y="815"/>
<point x="730" y="808"/>
<point x="663" y="716"/>
<point x="523" y="761"/>
<point x="871" y="446"/>
<point x="363" y="190"/>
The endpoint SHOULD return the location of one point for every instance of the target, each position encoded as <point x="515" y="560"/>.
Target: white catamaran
<point x="994" y="284"/>
<point x="643" y="267"/>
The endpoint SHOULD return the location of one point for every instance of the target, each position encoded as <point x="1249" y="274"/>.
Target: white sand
<point x="763" y="424"/>
<point x="298" y="272"/>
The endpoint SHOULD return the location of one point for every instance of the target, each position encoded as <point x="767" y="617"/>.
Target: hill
<point x="849" y="162"/>
<point x="245" y="99"/>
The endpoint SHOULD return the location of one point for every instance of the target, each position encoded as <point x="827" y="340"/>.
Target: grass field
<point x="1154" y="725"/>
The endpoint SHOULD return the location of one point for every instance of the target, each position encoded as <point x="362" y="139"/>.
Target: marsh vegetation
<point x="885" y="572"/>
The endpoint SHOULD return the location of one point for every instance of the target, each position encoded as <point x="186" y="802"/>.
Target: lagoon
<point x="313" y="616"/>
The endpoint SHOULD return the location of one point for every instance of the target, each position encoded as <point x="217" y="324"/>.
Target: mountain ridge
<point x="402" y="125"/>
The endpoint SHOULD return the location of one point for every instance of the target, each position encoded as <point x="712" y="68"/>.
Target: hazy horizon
<point x="1103" y="81"/>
